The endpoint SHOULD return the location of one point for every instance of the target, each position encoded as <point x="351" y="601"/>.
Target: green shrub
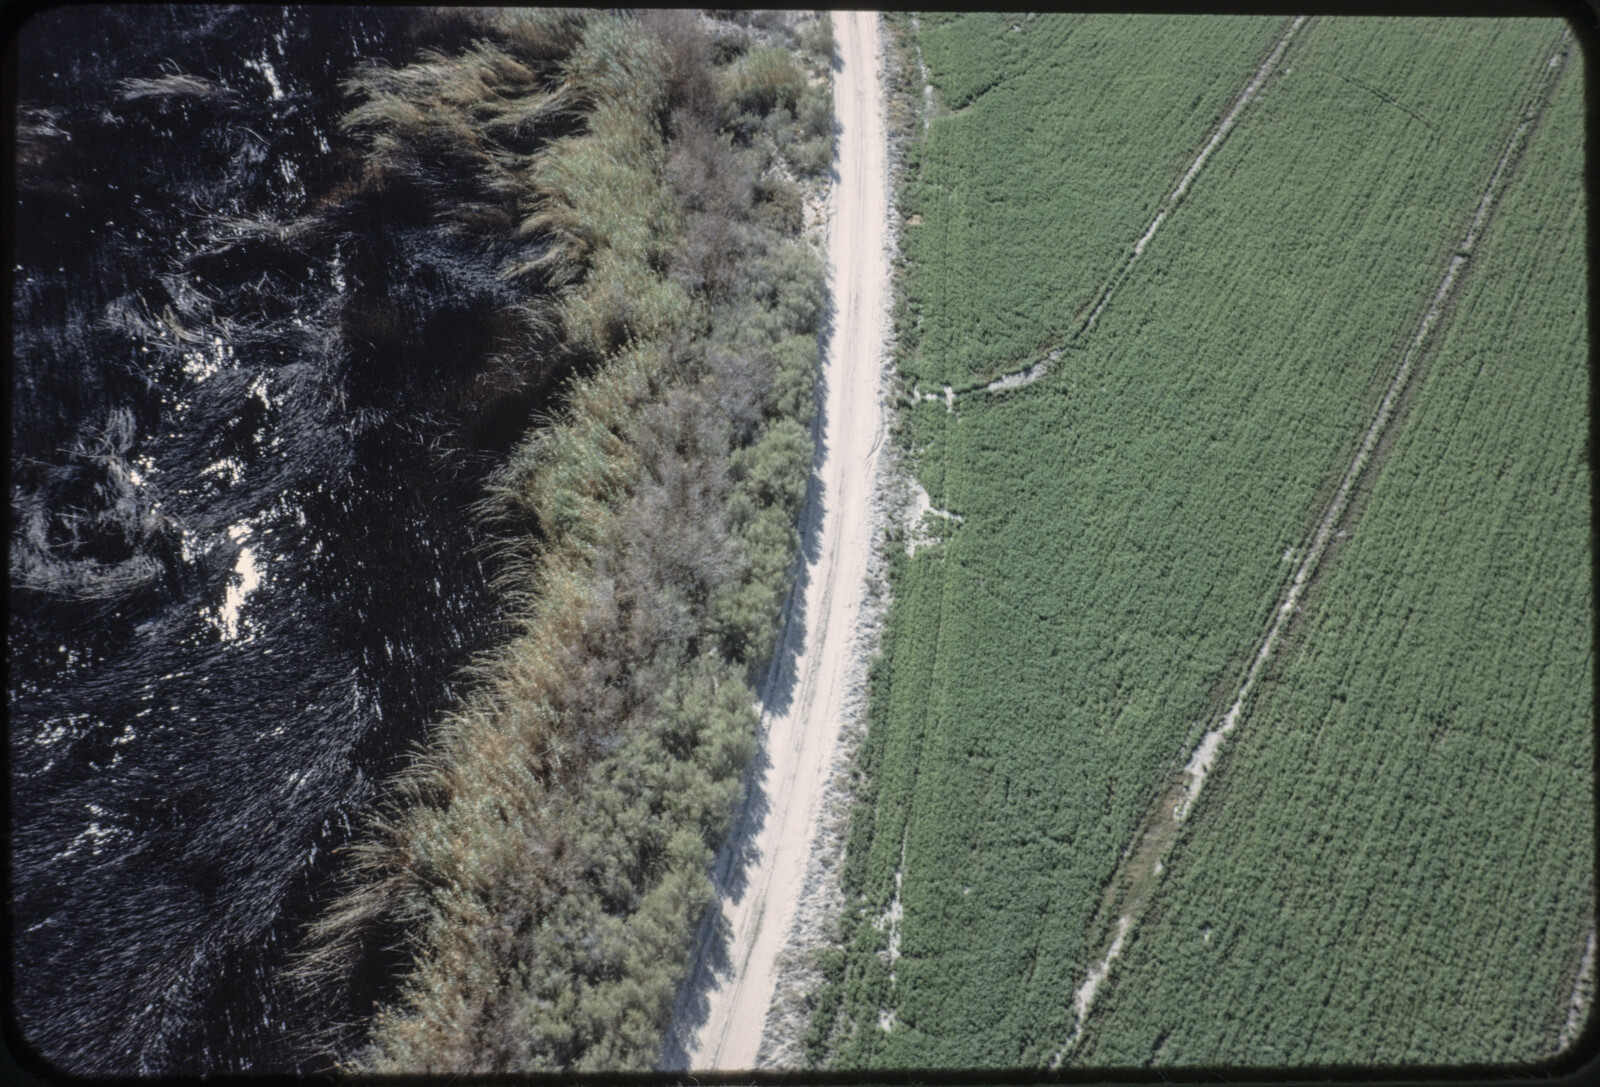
<point x="813" y="157"/>
<point x="780" y="205"/>
<point x="816" y="37"/>
<point x="814" y="111"/>
<point x="763" y="80"/>
<point x="794" y="386"/>
<point x="783" y="292"/>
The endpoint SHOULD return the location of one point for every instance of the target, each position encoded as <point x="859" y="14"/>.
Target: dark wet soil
<point x="248" y="422"/>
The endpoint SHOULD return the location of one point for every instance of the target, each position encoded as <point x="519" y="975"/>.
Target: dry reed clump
<point x="534" y="140"/>
<point x="546" y="857"/>
<point x="466" y="129"/>
<point x="598" y="197"/>
<point x="172" y="85"/>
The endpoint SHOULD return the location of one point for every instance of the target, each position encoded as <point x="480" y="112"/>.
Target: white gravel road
<point x="719" y="1020"/>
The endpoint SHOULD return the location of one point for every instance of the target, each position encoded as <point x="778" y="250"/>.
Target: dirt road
<point x="720" y="1017"/>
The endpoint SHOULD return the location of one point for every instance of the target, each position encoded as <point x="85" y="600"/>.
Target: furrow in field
<point x="1578" y="1003"/>
<point x="1131" y="887"/>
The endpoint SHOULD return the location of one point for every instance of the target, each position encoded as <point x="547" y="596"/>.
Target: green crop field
<point x="1024" y="193"/>
<point x="1396" y="864"/>
<point x="1130" y="521"/>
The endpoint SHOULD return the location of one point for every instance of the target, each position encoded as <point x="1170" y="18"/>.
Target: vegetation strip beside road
<point x="534" y="885"/>
<point x="805" y="701"/>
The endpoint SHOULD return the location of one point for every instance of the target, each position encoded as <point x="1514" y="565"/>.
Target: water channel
<point x="246" y="432"/>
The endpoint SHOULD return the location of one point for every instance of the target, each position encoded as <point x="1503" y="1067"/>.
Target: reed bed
<point x="541" y="866"/>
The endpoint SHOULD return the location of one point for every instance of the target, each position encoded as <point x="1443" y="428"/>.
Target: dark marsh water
<point x="247" y="424"/>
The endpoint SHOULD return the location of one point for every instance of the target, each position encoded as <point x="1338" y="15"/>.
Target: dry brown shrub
<point x="709" y="258"/>
<point x="542" y="34"/>
<point x="704" y="171"/>
<point x="690" y="85"/>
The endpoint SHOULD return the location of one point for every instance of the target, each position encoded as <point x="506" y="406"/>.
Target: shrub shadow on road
<point x="710" y="963"/>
